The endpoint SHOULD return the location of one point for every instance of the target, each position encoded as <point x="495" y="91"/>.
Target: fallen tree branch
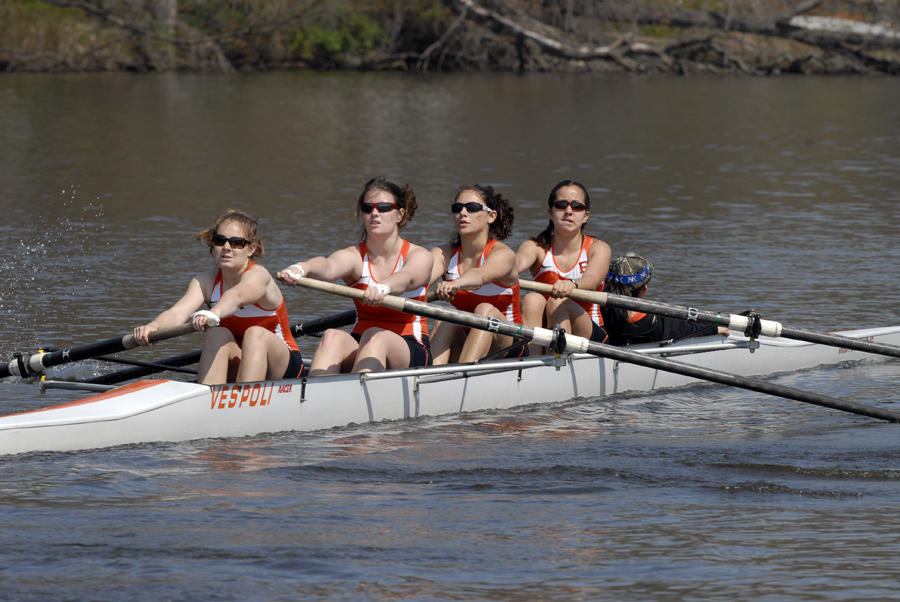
<point x="422" y="64"/>
<point x="776" y="25"/>
<point x="501" y="24"/>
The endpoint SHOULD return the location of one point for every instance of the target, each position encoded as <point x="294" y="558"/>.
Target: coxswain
<point x="629" y="275"/>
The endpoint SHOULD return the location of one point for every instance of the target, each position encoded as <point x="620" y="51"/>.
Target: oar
<point x="317" y="325"/>
<point x="307" y="328"/>
<point x="734" y="322"/>
<point x="574" y="344"/>
<point x="176" y="362"/>
<point x="32" y="365"/>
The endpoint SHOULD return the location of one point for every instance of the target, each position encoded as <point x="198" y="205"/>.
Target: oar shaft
<point x="743" y="382"/>
<point x="39" y="362"/>
<point x="575" y="344"/>
<point x="316" y="325"/>
<point x="836" y="340"/>
<point x="185" y="359"/>
<point x="732" y="321"/>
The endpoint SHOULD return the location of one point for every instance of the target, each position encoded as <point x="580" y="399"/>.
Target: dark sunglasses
<point x="381" y="207"/>
<point x="236" y="242"/>
<point x="576" y="205"/>
<point x="472" y="207"/>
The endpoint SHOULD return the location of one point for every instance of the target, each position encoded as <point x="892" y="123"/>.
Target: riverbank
<point x="667" y="36"/>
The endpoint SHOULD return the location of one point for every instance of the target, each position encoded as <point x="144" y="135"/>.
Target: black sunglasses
<point x="472" y="207"/>
<point x="576" y="205"/>
<point x="236" y="242"/>
<point x="381" y="207"/>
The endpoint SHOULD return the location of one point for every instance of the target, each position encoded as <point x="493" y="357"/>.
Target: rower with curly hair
<point x="477" y="273"/>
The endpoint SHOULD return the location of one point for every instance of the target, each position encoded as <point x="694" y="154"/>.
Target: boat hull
<point x="162" y="410"/>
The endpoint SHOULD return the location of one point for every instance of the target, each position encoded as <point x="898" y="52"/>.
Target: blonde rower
<point x="249" y="332"/>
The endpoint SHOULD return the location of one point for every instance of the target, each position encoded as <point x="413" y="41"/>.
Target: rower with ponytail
<point x="563" y="256"/>
<point x="477" y="273"/>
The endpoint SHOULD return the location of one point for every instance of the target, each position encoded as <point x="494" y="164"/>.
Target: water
<point x="779" y="195"/>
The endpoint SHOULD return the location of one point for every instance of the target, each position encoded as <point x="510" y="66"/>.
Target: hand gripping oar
<point x="308" y="328"/>
<point x="738" y="323"/>
<point x="33" y="365"/>
<point x="574" y="344"/>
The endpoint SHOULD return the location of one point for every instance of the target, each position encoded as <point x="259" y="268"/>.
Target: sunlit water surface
<point x="781" y="195"/>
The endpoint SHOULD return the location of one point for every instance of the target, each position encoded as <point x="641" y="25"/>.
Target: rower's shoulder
<point x="502" y="247"/>
<point x="529" y="247"/>
<point x="599" y="246"/>
<point x="444" y="249"/>
<point x="207" y="278"/>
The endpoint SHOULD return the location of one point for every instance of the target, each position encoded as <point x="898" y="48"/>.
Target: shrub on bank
<point x="212" y="35"/>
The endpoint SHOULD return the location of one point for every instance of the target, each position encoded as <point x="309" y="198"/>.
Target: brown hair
<point x="501" y="227"/>
<point x="404" y="197"/>
<point x="247" y="223"/>
<point x="545" y="238"/>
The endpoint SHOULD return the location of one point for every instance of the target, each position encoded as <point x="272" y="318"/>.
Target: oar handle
<point x="389" y="301"/>
<point x="128" y="341"/>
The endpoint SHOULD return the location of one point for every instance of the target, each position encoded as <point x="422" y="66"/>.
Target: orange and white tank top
<point x="273" y="320"/>
<point x="397" y="322"/>
<point x="504" y="298"/>
<point x="550" y="272"/>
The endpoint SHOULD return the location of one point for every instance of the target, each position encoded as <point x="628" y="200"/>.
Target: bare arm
<point x="594" y="274"/>
<point x="440" y="255"/>
<point x="251" y="289"/>
<point x="529" y="257"/>
<point x="597" y="269"/>
<point x="176" y="315"/>
<point x="341" y="264"/>
<point x="500" y="266"/>
<point x="416" y="272"/>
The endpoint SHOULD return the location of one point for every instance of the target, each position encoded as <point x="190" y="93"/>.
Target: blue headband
<point x="629" y="280"/>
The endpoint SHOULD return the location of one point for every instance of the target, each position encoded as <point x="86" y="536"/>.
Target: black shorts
<point x="419" y="353"/>
<point x="295" y="366"/>
<point x="518" y="352"/>
<point x="598" y="334"/>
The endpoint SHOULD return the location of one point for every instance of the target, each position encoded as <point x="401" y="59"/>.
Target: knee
<point x="336" y="344"/>
<point x="533" y="301"/>
<point x="485" y="309"/>
<point x="255" y="335"/>
<point x="374" y="337"/>
<point x="331" y="337"/>
<point x="560" y="307"/>
<point x="218" y="337"/>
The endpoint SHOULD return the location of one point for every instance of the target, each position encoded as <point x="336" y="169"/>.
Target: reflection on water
<point x="779" y="195"/>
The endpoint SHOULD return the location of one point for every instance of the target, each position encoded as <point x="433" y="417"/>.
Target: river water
<point x="781" y="195"/>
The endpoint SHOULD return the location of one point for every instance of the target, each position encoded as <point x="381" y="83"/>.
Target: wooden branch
<point x="776" y="25"/>
<point x="501" y="24"/>
<point x="422" y="64"/>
